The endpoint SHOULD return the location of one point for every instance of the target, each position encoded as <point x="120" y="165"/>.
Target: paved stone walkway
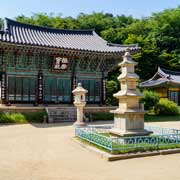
<point x="47" y="152"/>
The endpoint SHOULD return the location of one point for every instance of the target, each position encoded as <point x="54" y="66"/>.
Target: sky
<point x="136" y="8"/>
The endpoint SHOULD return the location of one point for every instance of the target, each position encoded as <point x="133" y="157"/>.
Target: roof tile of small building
<point x="162" y="76"/>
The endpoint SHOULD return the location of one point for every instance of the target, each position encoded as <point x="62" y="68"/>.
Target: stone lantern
<point x="129" y="116"/>
<point x="79" y="102"/>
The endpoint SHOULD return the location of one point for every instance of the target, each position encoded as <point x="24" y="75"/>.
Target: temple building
<point x="166" y="83"/>
<point x="41" y="65"/>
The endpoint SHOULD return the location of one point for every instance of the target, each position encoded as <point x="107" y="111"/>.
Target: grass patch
<point x="118" y="148"/>
<point x="161" y="118"/>
<point x="20" y="118"/>
<point x="91" y="144"/>
<point x="133" y="150"/>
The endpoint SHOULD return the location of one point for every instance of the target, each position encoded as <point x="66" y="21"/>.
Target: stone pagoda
<point x="129" y="116"/>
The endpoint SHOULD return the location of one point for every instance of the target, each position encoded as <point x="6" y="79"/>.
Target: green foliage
<point x="101" y="22"/>
<point x="36" y="117"/>
<point x="166" y="107"/>
<point x="1" y="22"/>
<point x="161" y="118"/>
<point x="111" y="88"/>
<point x="100" y="116"/>
<point x="150" y="99"/>
<point x="33" y="117"/>
<point x="12" y="118"/>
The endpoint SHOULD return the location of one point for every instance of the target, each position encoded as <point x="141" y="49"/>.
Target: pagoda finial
<point x="127" y="53"/>
<point x="127" y="59"/>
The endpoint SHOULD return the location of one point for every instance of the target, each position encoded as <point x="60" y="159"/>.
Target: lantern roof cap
<point x="79" y="89"/>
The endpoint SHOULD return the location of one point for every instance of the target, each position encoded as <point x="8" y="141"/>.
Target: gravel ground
<point x="47" y="152"/>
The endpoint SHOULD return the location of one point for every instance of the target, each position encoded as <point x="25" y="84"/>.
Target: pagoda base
<point x="138" y="132"/>
<point x="129" y="123"/>
<point x="79" y="124"/>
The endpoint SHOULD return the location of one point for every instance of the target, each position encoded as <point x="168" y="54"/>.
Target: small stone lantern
<point x="79" y="102"/>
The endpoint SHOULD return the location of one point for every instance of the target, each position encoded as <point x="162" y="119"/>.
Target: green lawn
<point x="132" y="150"/>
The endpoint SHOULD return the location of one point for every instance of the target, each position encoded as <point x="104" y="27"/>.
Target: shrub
<point x="33" y="117"/>
<point x="36" y="117"/>
<point x="100" y="116"/>
<point x="166" y="107"/>
<point x="150" y="99"/>
<point x="111" y="88"/>
<point x="12" y="118"/>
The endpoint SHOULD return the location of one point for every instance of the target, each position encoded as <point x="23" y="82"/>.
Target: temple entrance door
<point x="21" y="89"/>
<point x="57" y="90"/>
<point x="93" y="86"/>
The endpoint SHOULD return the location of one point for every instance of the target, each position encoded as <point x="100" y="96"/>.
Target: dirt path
<point x="41" y="152"/>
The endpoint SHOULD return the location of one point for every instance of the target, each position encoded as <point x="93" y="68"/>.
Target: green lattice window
<point x="94" y="64"/>
<point x="57" y="90"/>
<point x="1" y="57"/>
<point x="83" y="64"/>
<point x="21" y="61"/>
<point x="9" y="59"/>
<point x="94" y="89"/>
<point x="21" y="88"/>
<point x="32" y="61"/>
<point x="46" y="62"/>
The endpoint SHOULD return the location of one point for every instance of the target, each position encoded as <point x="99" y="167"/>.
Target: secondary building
<point x="166" y="83"/>
<point x="42" y="65"/>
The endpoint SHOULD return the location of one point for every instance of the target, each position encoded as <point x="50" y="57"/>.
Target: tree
<point x="111" y="88"/>
<point x="1" y="22"/>
<point x="150" y="100"/>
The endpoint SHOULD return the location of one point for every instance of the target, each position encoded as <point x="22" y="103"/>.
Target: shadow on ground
<point x="51" y="125"/>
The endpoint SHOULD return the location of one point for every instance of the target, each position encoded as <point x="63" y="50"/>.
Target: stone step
<point x="61" y="114"/>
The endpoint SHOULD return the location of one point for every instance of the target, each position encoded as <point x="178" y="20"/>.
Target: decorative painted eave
<point x="83" y="40"/>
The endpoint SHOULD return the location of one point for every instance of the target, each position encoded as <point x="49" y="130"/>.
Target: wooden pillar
<point x="103" y="89"/>
<point x="73" y="86"/>
<point x="73" y="78"/>
<point x="4" y="88"/>
<point x="40" y="88"/>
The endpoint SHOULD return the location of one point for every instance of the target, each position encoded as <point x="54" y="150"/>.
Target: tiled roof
<point x="162" y="76"/>
<point x="151" y="83"/>
<point x="26" y="34"/>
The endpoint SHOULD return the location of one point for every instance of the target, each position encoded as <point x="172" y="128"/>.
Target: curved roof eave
<point x="84" y="40"/>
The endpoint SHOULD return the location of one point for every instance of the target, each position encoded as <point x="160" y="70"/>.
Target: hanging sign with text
<point x="60" y="63"/>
